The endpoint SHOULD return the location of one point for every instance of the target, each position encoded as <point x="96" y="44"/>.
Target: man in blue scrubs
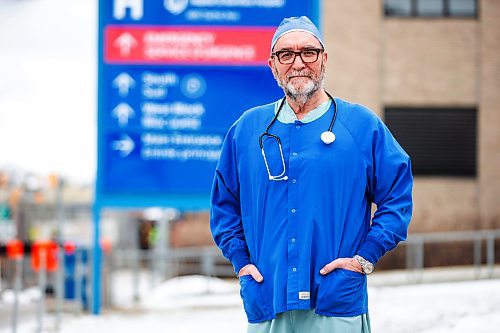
<point x="292" y="197"/>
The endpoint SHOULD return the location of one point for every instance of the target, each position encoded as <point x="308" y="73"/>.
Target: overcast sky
<point x="48" y="86"/>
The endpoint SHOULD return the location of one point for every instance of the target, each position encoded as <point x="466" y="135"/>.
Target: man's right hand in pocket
<point x="251" y="270"/>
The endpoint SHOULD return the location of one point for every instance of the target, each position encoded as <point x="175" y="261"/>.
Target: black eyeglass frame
<point x="297" y="53"/>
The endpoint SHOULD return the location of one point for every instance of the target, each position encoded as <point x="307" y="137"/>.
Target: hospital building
<point x="431" y="70"/>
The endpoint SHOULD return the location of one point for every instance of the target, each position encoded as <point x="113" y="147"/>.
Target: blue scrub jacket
<point x="291" y="229"/>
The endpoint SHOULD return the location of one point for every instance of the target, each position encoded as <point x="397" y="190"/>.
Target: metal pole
<point x="135" y="274"/>
<point x="419" y="259"/>
<point x="157" y="256"/>
<point x="477" y="257"/>
<point x="59" y="288"/>
<point x="109" y="280"/>
<point x="17" y="289"/>
<point x="490" y="257"/>
<point x="60" y="257"/>
<point x="42" y="282"/>
<point x="207" y="268"/>
<point x="78" y="282"/>
<point x="96" y="262"/>
<point x="170" y="214"/>
<point x="162" y="243"/>
<point x="152" y="257"/>
<point x="207" y="263"/>
<point x="410" y="265"/>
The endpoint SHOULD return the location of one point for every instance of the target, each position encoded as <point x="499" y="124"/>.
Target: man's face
<point x="300" y="80"/>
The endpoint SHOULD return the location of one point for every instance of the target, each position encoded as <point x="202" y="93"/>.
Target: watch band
<point x="365" y="264"/>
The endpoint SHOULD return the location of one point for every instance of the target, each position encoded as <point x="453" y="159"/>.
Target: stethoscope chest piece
<point x="327" y="137"/>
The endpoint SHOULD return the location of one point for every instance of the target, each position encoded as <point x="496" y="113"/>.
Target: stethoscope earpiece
<point x="327" y="137"/>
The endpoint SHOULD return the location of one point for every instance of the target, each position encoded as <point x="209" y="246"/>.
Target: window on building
<point x="462" y="8"/>
<point x="398" y="7"/>
<point x="440" y="141"/>
<point x="431" y="8"/>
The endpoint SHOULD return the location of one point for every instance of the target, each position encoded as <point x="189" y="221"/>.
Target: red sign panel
<point x="187" y="45"/>
<point x="15" y="249"/>
<point x="44" y="255"/>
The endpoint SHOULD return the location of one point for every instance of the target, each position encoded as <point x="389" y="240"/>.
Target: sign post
<point x="44" y="258"/>
<point x="15" y="251"/>
<point x="173" y="76"/>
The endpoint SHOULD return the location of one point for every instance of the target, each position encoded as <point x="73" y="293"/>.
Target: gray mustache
<point x="307" y="74"/>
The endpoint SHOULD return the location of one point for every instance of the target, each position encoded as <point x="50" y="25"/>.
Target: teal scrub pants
<point x="306" y="321"/>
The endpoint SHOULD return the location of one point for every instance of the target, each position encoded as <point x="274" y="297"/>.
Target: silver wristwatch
<point x="365" y="264"/>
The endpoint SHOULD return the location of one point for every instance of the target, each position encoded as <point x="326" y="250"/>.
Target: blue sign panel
<point x="208" y="12"/>
<point x="173" y="76"/>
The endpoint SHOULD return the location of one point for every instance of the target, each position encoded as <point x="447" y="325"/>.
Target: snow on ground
<point x="197" y="303"/>
<point x="192" y="292"/>
<point x="446" y="307"/>
<point x="28" y="296"/>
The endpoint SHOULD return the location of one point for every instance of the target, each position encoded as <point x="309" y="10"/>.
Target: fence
<point x="209" y="261"/>
<point x="416" y="242"/>
<point x="163" y="263"/>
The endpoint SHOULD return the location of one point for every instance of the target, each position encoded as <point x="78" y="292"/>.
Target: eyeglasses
<point x="287" y="57"/>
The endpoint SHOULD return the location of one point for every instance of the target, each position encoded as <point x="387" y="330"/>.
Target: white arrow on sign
<point x="125" y="145"/>
<point x="125" y="42"/>
<point x="123" y="112"/>
<point x="123" y="83"/>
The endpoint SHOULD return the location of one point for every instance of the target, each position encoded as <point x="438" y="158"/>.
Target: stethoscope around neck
<point x="327" y="137"/>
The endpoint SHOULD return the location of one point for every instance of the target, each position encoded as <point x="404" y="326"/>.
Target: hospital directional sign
<point x="173" y="76"/>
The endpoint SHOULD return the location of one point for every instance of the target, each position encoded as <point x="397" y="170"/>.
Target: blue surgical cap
<point x="290" y="24"/>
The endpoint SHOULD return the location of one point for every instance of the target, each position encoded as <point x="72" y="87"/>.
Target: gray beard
<point x="302" y="95"/>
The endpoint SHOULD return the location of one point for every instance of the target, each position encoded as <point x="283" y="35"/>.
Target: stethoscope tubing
<point x="282" y="103"/>
<point x="327" y="139"/>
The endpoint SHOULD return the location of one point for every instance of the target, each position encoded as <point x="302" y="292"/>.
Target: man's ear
<point x="274" y="72"/>
<point x="270" y="62"/>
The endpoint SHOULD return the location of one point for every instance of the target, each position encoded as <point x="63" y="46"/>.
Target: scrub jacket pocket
<point x="254" y="301"/>
<point x="341" y="292"/>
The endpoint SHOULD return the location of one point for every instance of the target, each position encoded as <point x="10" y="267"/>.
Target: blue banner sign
<point x="173" y="76"/>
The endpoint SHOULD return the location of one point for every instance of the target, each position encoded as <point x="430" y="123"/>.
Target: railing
<point x="162" y="263"/>
<point x="208" y="260"/>
<point x="415" y="248"/>
<point x="165" y="263"/>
